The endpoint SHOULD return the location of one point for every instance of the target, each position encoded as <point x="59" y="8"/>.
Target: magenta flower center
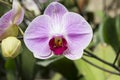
<point x="58" y="45"/>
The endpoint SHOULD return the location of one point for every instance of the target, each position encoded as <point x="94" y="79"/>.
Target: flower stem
<point x="103" y="61"/>
<point x="100" y="67"/>
<point x="21" y="31"/>
<point x="117" y="56"/>
<point x="4" y="2"/>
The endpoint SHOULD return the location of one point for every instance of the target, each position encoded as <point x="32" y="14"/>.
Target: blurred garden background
<point x="101" y="59"/>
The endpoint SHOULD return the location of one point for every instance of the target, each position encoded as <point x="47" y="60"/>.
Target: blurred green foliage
<point x="4" y="7"/>
<point x="90" y="72"/>
<point x="27" y="64"/>
<point x="109" y="32"/>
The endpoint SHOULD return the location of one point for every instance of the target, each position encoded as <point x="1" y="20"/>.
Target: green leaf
<point x="108" y="32"/>
<point x="66" y="67"/>
<point x="68" y="3"/>
<point x="118" y="26"/>
<point x="28" y="64"/>
<point x="85" y="69"/>
<point x="96" y="39"/>
<point x="105" y="52"/>
<point x="99" y="13"/>
<point x="11" y="69"/>
<point x="47" y="62"/>
<point x="118" y="31"/>
<point x="57" y="76"/>
<point x="4" y="7"/>
<point x="118" y="61"/>
<point x="113" y="77"/>
<point x="92" y="73"/>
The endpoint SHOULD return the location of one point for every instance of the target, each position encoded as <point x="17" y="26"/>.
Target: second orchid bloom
<point x="9" y="30"/>
<point x="10" y="20"/>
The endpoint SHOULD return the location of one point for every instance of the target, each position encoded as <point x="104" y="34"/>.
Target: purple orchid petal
<point x="77" y="29"/>
<point x="18" y="12"/>
<point x="75" y="24"/>
<point x="36" y="37"/>
<point x="79" y="33"/>
<point x="55" y="10"/>
<point x="10" y="20"/>
<point x="19" y="17"/>
<point x="74" y="55"/>
<point x="78" y="42"/>
<point x="6" y="20"/>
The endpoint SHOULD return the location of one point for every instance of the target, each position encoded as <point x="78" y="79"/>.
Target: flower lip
<point x="58" y="45"/>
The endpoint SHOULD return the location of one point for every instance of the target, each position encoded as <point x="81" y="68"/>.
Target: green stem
<point x="100" y="67"/>
<point x="117" y="56"/>
<point x="17" y="68"/>
<point x="103" y="61"/>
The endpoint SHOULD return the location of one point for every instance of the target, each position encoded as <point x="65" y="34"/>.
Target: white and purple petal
<point x="36" y="37"/>
<point x="74" y="55"/>
<point x="9" y="21"/>
<point x="56" y="11"/>
<point x="78" y="33"/>
<point x="6" y="20"/>
<point x="18" y="13"/>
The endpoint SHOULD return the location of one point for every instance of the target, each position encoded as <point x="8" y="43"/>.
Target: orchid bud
<point x="10" y="47"/>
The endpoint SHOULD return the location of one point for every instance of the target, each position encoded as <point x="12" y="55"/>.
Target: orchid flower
<point x="58" y="32"/>
<point x="10" y="20"/>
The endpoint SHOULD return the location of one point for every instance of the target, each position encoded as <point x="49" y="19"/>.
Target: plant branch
<point x="100" y="67"/>
<point x="38" y="5"/>
<point x="3" y="2"/>
<point x="117" y="56"/>
<point x="20" y="37"/>
<point x="110" y="5"/>
<point x="103" y="61"/>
